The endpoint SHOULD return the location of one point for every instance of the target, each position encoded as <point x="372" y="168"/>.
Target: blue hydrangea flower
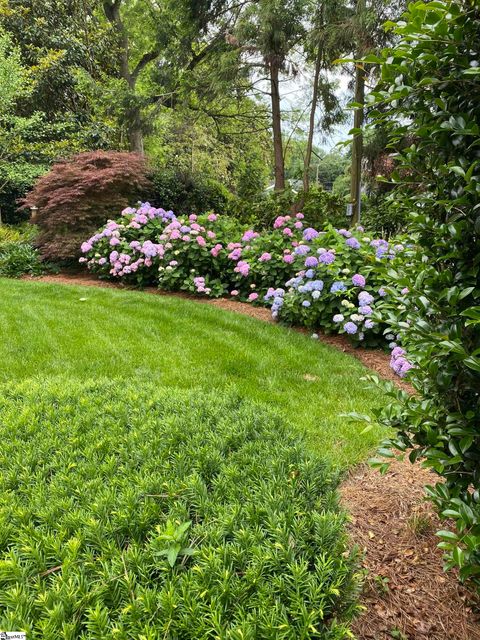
<point x="306" y="303"/>
<point x="350" y="328"/>
<point x="338" y="287"/>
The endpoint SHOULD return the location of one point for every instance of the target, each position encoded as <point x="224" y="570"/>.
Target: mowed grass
<point x="87" y="333"/>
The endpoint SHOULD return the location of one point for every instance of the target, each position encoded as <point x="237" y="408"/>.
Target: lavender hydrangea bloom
<point x="327" y="257"/>
<point x="399" y="362"/>
<point x="306" y="303"/>
<point x="302" y="250"/>
<point x="345" y="233"/>
<point x="353" y="243"/>
<point x="358" y="280"/>
<point x="350" y="328"/>
<point x="310" y="234"/>
<point x="338" y="317"/>
<point x="369" y="324"/>
<point x="364" y="298"/>
<point x="310" y="274"/>
<point x="365" y="310"/>
<point x="311" y="261"/>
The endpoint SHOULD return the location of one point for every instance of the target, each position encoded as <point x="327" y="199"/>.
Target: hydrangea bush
<point x="332" y="279"/>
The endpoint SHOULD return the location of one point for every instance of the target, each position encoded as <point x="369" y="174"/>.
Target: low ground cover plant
<point x="17" y="254"/>
<point x="130" y="512"/>
<point x="333" y="280"/>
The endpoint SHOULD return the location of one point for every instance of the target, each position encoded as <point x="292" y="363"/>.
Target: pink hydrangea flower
<point x="265" y="257"/>
<point x="216" y="250"/>
<point x="234" y="293"/>
<point x="252" y="297"/>
<point x="211" y="217"/>
<point x="201" y="241"/>
<point x="114" y="242"/>
<point x="288" y="232"/>
<point x="288" y="258"/>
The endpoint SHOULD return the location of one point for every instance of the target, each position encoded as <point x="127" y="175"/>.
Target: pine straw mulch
<point x="407" y="595"/>
<point x="406" y="590"/>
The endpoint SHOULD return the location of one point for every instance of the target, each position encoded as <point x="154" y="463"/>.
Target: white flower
<point x="169" y="268"/>
<point x="314" y="336"/>
<point x="175" y="253"/>
<point x="253" y="286"/>
<point x="357" y="317"/>
<point x="346" y="271"/>
<point x="345" y="303"/>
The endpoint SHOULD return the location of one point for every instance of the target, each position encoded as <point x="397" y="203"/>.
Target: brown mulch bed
<point x="407" y="595"/>
<point x="406" y="590"/>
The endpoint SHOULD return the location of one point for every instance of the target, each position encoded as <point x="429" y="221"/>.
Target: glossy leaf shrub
<point x="132" y="512"/>
<point x="430" y="92"/>
<point x="79" y="194"/>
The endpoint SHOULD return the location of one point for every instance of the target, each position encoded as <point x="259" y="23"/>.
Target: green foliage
<point x="322" y="207"/>
<point x="18" y="259"/>
<point x="383" y="215"/>
<point x="101" y="478"/>
<point x="17" y="255"/>
<point x="187" y="193"/>
<point x="430" y="91"/>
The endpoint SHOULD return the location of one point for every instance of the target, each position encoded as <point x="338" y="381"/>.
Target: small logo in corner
<point x="13" y="635"/>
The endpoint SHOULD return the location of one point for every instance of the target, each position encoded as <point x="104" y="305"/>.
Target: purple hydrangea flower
<point x="358" y="280"/>
<point x="366" y="310"/>
<point x="353" y="243"/>
<point x="306" y="303"/>
<point x="310" y="234"/>
<point x="327" y="257"/>
<point x="311" y="261"/>
<point x="364" y="298"/>
<point x="302" y="250"/>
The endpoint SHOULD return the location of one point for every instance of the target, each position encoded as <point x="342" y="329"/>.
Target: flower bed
<point x="333" y="279"/>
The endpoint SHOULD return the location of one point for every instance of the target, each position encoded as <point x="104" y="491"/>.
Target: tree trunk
<point x="311" y="127"/>
<point x="357" y="145"/>
<point x="135" y="133"/>
<point x="134" y="116"/>
<point x="277" y="127"/>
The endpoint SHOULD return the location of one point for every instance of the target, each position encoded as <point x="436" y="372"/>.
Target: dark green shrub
<point x="129" y="512"/>
<point x="430" y="90"/>
<point x="322" y="207"/>
<point x="188" y="193"/>
<point x="17" y="255"/>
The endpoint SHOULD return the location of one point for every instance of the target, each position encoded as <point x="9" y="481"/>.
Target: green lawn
<point x="86" y="333"/>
